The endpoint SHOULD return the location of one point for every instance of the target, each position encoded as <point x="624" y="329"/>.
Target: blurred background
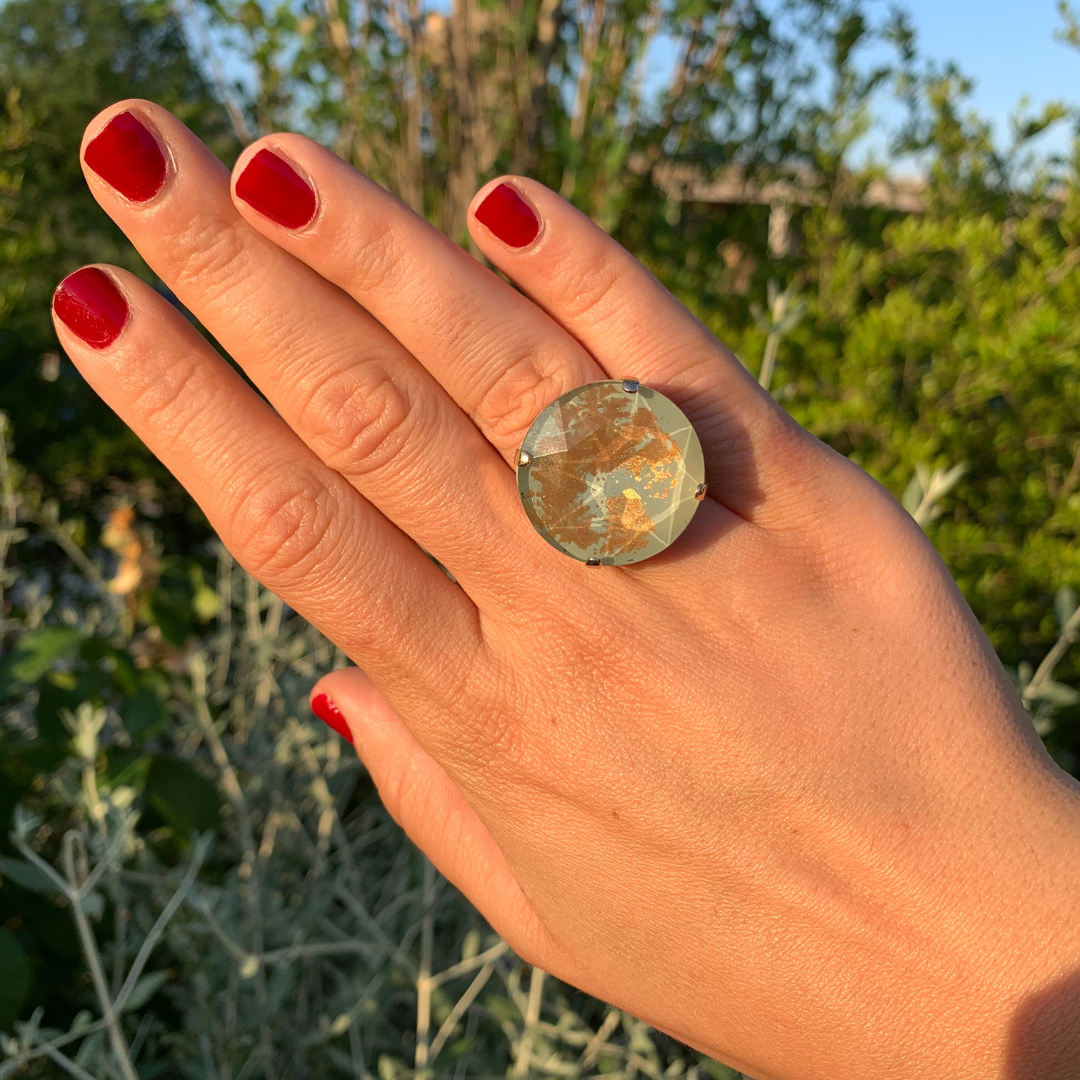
<point x="876" y="207"/>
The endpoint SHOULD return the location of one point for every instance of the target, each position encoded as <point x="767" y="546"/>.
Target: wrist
<point x="1044" y="1034"/>
<point x="1025" y="930"/>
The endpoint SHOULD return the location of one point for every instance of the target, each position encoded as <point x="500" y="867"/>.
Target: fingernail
<point x="328" y="713"/>
<point x="508" y="216"/>
<point x="90" y="305"/>
<point x="274" y="188"/>
<point x="127" y="156"/>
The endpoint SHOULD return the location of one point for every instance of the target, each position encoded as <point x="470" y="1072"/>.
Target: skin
<point x="770" y="791"/>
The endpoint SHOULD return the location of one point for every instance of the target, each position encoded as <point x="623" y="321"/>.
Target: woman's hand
<point x="770" y="791"/>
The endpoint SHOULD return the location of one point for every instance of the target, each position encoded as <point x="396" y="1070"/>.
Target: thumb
<point x="420" y="796"/>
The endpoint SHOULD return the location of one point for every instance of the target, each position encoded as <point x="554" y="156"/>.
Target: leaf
<point x="1024" y="672"/>
<point x="206" y="603"/>
<point x="172" y="619"/>
<point x="461" y="1046"/>
<point x="145" y="989"/>
<point x="502" y="1008"/>
<point x="913" y="494"/>
<point x="36" y="652"/>
<point x="93" y="905"/>
<point x="188" y="802"/>
<point x="170" y="603"/>
<point x="127" y="768"/>
<point x="470" y="947"/>
<point x="16" y="977"/>
<point x="339" y="1025"/>
<point x="281" y="984"/>
<point x="145" y="713"/>
<point x="27" y="876"/>
<point x="1064" y="605"/>
<point x="52" y="699"/>
<point x="391" y="1068"/>
<point x="1056" y="693"/>
<point x="716" y="1070"/>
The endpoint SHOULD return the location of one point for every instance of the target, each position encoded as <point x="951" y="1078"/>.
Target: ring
<point x="611" y="473"/>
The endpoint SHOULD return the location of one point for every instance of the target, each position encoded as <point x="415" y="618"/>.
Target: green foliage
<point x="187" y="802"/>
<point x="254" y="908"/>
<point x="944" y="346"/>
<point x="35" y="654"/>
<point x="15" y="978"/>
<point x="60" y="63"/>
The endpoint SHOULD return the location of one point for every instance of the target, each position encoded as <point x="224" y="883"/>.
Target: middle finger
<point x="499" y="356"/>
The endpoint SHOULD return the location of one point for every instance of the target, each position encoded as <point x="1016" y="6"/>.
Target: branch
<point x="466" y="966"/>
<point x="588" y="43"/>
<point x="596" y="1043"/>
<point x="162" y="921"/>
<point x="1054" y="657"/>
<point x="93" y="960"/>
<point x="459" y="1009"/>
<point x="46" y="1049"/>
<point x="532" y="1015"/>
<point x="548" y="20"/>
<point x="67" y="1064"/>
<point x="217" y="73"/>
<point x="423" y="979"/>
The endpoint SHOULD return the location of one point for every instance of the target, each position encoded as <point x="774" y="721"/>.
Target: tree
<point x="432" y="104"/>
<point x="60" y="63"/>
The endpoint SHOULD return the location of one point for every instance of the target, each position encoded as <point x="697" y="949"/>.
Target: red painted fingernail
<point x="127" y="156"/>
<point x="328" y="713"/>
<point x="276" y="189"/>
<point x="509" y="216"/>
<point x="90" y="305"/>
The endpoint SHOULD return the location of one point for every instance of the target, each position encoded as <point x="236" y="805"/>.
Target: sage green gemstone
<point x="610" y="473"/>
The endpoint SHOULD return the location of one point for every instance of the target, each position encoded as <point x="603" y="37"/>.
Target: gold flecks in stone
<point x="610" y="473"/>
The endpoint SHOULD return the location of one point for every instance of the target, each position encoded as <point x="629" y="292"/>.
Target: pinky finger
<point x="420" y="796"/>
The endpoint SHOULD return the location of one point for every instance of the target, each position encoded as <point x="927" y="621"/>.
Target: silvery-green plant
<point x="784" y="312"/>
<point x="300" y="935"/>
<point x="922" y="497"/>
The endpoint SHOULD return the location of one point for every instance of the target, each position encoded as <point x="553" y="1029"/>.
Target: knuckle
<point x="211" y="254"/>
<point x="375" y="261"/>
<point x="359" y="419"/>
<point x="520" y="392"/>
<point x="176" y="395"/>
<point x="284" y="529"/>
<point x="590" y="292"/>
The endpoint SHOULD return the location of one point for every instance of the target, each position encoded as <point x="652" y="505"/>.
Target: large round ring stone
<point x="611" y="473"/>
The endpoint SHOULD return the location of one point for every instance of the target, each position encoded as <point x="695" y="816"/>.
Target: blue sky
<point x="1007" y="46"/>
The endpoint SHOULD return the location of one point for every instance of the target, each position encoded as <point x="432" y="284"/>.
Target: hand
<point x="770" y="791"/>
